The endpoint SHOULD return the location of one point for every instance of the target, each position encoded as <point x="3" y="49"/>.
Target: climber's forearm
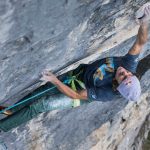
<point x="142" y="34"/>
<point x="67" y="90"/>
<point x="50" y="77"/>
<point x="141" y="39"/>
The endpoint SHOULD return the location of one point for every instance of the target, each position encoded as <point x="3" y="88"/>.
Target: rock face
<point x="34" y="34"/>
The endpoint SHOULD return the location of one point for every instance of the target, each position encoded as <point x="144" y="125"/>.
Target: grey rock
<point x="35" y="35"/>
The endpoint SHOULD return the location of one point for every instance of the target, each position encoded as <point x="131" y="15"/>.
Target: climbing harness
<point x="76" y="102"/>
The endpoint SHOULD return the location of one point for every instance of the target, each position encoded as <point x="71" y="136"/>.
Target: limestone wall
<point x="51" y="34"/>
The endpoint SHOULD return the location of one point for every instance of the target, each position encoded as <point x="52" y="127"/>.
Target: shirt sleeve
<point x="101" y="94"/>
<point x="130" y="62"/>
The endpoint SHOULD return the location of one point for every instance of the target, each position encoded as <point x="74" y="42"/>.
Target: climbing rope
<point x="32" y="97"/>
<point x="19" y="103"/>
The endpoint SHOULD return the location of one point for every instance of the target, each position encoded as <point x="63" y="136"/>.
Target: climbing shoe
<point x="7" y="112"/>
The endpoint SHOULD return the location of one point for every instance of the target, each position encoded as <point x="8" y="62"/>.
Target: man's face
<point x="122" y="74"/>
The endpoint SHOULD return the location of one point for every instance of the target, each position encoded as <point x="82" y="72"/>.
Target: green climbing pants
<point x="27" y="113"/>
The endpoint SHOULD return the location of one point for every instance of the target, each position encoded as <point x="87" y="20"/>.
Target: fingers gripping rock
<point x="143" y="14"/>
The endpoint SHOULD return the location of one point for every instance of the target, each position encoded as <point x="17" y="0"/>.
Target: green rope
<point x="39" y="94"/>
<point x="17" y="104"/>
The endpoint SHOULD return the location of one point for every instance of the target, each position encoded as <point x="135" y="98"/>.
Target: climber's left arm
<point x="48" y="76"/>
<point x="68" y="91"/>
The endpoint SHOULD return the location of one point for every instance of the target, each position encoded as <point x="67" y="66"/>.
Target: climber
<point x="106" y="77"/>
<point x="103" y="79"/>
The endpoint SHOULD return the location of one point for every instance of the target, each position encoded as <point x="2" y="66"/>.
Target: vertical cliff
<point x="35" y="35"/>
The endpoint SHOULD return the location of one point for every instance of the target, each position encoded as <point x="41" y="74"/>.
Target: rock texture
<point x="107" y="126"/>
<point x="34" y="34"/>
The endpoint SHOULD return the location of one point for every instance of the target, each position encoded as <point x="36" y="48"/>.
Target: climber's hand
<point x="143" y="14"/>
<point x="48" y="76"/>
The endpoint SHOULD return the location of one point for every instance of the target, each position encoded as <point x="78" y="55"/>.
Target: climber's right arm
<point x="141" y="40"/>
<point x="142" y="36"/>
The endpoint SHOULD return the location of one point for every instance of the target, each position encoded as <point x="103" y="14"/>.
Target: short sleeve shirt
<point x="99" y="75"/>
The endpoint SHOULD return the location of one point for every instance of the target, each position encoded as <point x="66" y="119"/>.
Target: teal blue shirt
<point x="99" y="75"/>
